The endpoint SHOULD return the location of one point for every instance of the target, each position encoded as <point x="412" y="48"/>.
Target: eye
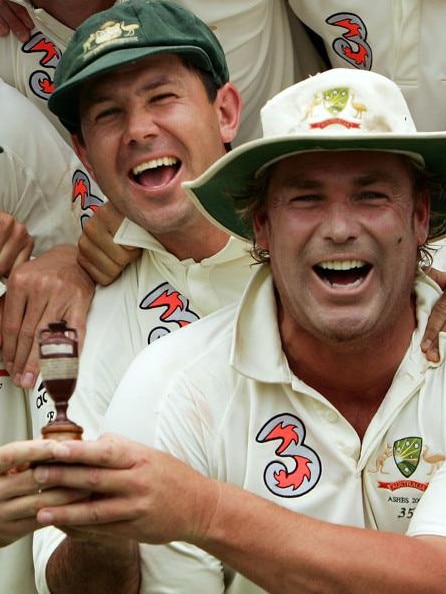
<point x="162" y="98"/>
<point x="305" y="199"/>
<point x="103" y="114"/>
<point x="296" y="197"/>
<point x="372" y="196"/>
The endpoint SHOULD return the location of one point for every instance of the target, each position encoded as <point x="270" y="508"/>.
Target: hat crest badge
<point x="325" y="109"/>
<point x="109" y="32"/>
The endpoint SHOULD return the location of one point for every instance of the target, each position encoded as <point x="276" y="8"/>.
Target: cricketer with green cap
<point x="127" y="32"/>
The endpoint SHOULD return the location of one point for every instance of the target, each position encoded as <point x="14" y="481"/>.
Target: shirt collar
<point x="256" y="348"/>
<point x="262" y="358"/>
<point x="131" y="234"/>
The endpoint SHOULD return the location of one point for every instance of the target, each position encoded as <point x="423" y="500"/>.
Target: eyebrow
<point x="307" y="183"/>
<point x="375" y="177"/>
<point x="96" y="96"/>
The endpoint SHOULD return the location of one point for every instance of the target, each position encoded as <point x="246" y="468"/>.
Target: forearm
<point x="282" y="551"/>
<point x="285" y="552"/>
<point x="93" y="567"/>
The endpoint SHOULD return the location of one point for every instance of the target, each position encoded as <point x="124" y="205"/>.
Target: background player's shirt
<point x="401" y="39"/>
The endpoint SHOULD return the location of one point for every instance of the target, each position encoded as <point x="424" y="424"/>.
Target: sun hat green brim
<point x="221" y="191"/>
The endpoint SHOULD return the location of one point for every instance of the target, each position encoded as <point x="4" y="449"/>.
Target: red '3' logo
<point x="41" y="81"/>
<point x="352" y="45"/>
<point x="174" y="309"/>
<point x="304" y="468"/>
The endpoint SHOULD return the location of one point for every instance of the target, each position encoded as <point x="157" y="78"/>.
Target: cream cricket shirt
<point x="29" y="67"/>
<point x="38" y="172"/>
<point x="233" y="409"/>
<point x="401" y="39"/>
<point x="154" y="297"/>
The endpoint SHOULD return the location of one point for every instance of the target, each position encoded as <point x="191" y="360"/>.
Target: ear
<point x="260" y="225"/>
<point x="229" y="105"/>
<point x="81" y="152"/>
<point x="422" y="217"/>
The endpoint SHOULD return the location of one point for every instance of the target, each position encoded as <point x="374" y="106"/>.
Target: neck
<point x="354" y="376"/>
<point x="203" y="241"/>
<point x="72" y="12"/>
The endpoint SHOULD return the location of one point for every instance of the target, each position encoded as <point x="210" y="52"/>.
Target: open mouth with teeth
<point x="342" y="273"/>
<point x="156" y="172"/>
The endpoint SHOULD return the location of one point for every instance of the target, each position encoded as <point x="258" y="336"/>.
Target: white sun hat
<point x="338" y="110"/>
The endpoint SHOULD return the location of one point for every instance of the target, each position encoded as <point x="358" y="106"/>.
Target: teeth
<point x="153" y="164"/>
<point x="342" y="264"/>
<point x="354" y="284"/>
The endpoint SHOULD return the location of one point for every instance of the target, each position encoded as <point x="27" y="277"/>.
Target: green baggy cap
<point x="126" y="33"/>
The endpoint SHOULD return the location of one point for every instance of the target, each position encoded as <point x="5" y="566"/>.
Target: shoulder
<point x="161" y="366"/>
<point x="112" y="314"/>
<point x="183" y="355"/>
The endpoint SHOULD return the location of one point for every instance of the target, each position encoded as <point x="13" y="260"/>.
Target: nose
<point x="340" y="223"/>
<point x="139" y="125"/>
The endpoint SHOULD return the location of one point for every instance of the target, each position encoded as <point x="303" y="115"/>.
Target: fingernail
<point x="27" y="380"/>
<point x="41" y="474"/>
<point x="434" y="355"/>
<point x="45" y="517"/>
<point x="60" y="450"/>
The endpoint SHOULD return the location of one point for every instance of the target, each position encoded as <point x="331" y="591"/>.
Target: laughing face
<point x="147" y="127"/>
<point x="342" y="229"/>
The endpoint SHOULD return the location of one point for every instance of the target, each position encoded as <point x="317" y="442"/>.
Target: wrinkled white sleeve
<point x="44" y="184"/>
<point x="37" y="188"/>
<point x="45" y="542"/>
<point x="179" y="568"/>
<point x="133" y="409"/>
